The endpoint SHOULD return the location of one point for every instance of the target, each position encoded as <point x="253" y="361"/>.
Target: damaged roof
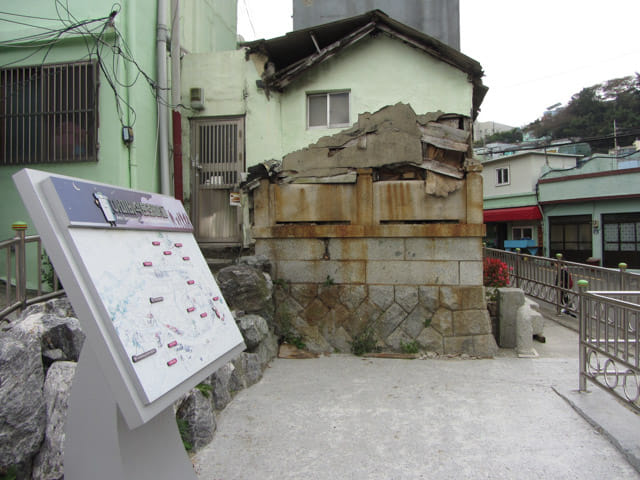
<point x="300" y="50"/>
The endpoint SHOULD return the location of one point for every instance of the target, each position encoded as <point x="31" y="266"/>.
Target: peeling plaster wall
<point x="378" y="71"/>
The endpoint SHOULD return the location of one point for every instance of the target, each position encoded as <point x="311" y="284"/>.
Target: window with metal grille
<point x="48" y="114"/>
<point x="328" y="110"/>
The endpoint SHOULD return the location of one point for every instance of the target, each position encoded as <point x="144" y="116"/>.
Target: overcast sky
<point x="534" y="54"/>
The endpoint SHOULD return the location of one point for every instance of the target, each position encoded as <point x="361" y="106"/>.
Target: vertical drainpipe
<point x="161" y="95"/>
<point x="175" y="99"/>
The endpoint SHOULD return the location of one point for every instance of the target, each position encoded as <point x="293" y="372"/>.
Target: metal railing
<point x="545" y="278"/>
<point x="17" y="296"/>
<point x="609" y="354"/>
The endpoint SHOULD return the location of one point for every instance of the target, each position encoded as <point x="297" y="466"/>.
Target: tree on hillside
<point x="592" y="111"/>
<point x="510" y="136"/>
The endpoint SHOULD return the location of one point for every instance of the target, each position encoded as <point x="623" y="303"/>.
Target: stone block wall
<point x="404" y="290"/>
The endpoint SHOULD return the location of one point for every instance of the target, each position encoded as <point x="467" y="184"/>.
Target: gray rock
<point x="54" y="332"/>
<point x="254" y="329"/>
<point x="247" y="371"/>
<point x="247" y="289"/>
<point x="48" y="463"/>
<point x="259" y="262"/>
<point x="196" y="414"/>
<point x="267" y="350"/>
<point x="22" y="409"/>
<point x="220" y="381"/>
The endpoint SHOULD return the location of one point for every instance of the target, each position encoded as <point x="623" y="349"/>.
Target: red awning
<point x="512" y="214"/>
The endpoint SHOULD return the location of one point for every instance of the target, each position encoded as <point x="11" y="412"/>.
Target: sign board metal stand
<point x="155" y="320"/>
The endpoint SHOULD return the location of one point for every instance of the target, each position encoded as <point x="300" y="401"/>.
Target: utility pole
<point x="615" y="138"/>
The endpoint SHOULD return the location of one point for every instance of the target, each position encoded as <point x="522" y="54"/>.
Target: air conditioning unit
<point x="196" y="97"/>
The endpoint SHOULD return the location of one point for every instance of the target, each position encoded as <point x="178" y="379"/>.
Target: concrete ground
<point x="345" y="417"/>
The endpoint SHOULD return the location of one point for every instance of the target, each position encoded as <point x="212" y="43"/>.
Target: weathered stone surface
<point x="442" y="321"/>
<point x="430" y="340"/>
<point x="252" y="368"/>
<point x="254" y="329"/>
<point x="220" y="381"/>
<point x="429" y="297"/>
<point x="311" y="336"/>
<point x="341" y="340"/>
<point x="315" y="312"/>
<point x="329" y="294"/>
<point x="462" y="298"/>
<point x="413" y="273"/>
<point x="48" y="464"/>
<point x="416" y="321"/>
<point x="22" y="408"/>
<point x="53" y="332"/>
<point x="406" y="297"/>
<point x="484" y="345"/>
<point x="420" y="248"/>
<point x="196" y="411"/>
<point x="365" y="314"/>
<point x="471" y="273"/>
<point x="293" y="352"/>
<point x="397" y="339"/>
<point x="471" y="322"/>
<point x="390" y="320"/>
<point x="247" y="289"/>
<point x="351" y="296"/>
<point x="304" y="293"/>
<point x="381" y="295"/>
<point x="454" y="345"/>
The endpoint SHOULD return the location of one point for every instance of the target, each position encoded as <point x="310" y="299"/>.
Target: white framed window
<point x="502" y="176"/>
<point x="328" y="109"/>
<point x="522" y="233"/>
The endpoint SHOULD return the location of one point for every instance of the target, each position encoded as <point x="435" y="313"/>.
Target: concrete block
<point x="348" y="249"/>
<point x="420" y="248"/>
<point x="318" y="271"/>
<point x="524" y="333"/>
<point x="385" y="249"/>
<point x="416" y="321"/>
<point x="509" y="301"/>
<point x="412" y="273"/>
<point x="365" y="314"/>
<point x="471" y="273"/>
<point x="484" y="345"/>
<point x="474" y="198"/>
<point x="464" y="248"/>
<point x="291" y="248"/>
<point x="304" y="293"/>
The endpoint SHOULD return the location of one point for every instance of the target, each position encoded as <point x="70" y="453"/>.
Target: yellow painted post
<point x="21" y="276"/>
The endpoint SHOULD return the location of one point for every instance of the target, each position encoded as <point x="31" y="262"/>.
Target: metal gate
<point x="217" y="153"/>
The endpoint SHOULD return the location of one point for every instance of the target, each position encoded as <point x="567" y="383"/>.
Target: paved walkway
<point x="345" y="417"/>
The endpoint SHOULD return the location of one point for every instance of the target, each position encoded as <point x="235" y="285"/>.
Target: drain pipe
<point x="161" y="97"/>
<point x="176" y="120"/>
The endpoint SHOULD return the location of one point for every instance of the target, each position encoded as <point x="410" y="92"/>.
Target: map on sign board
<point x="164" y="305"/>
<point x="159" y="309"/>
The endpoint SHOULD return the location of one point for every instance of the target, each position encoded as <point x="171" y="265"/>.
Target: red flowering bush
<point x="495" y="273"/>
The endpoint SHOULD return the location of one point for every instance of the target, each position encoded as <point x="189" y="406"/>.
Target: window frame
<point x="522" y="227"/>
<point x="328" y="95"/>
<point x="499" y="170"/>
<point x="49" y="113"/>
